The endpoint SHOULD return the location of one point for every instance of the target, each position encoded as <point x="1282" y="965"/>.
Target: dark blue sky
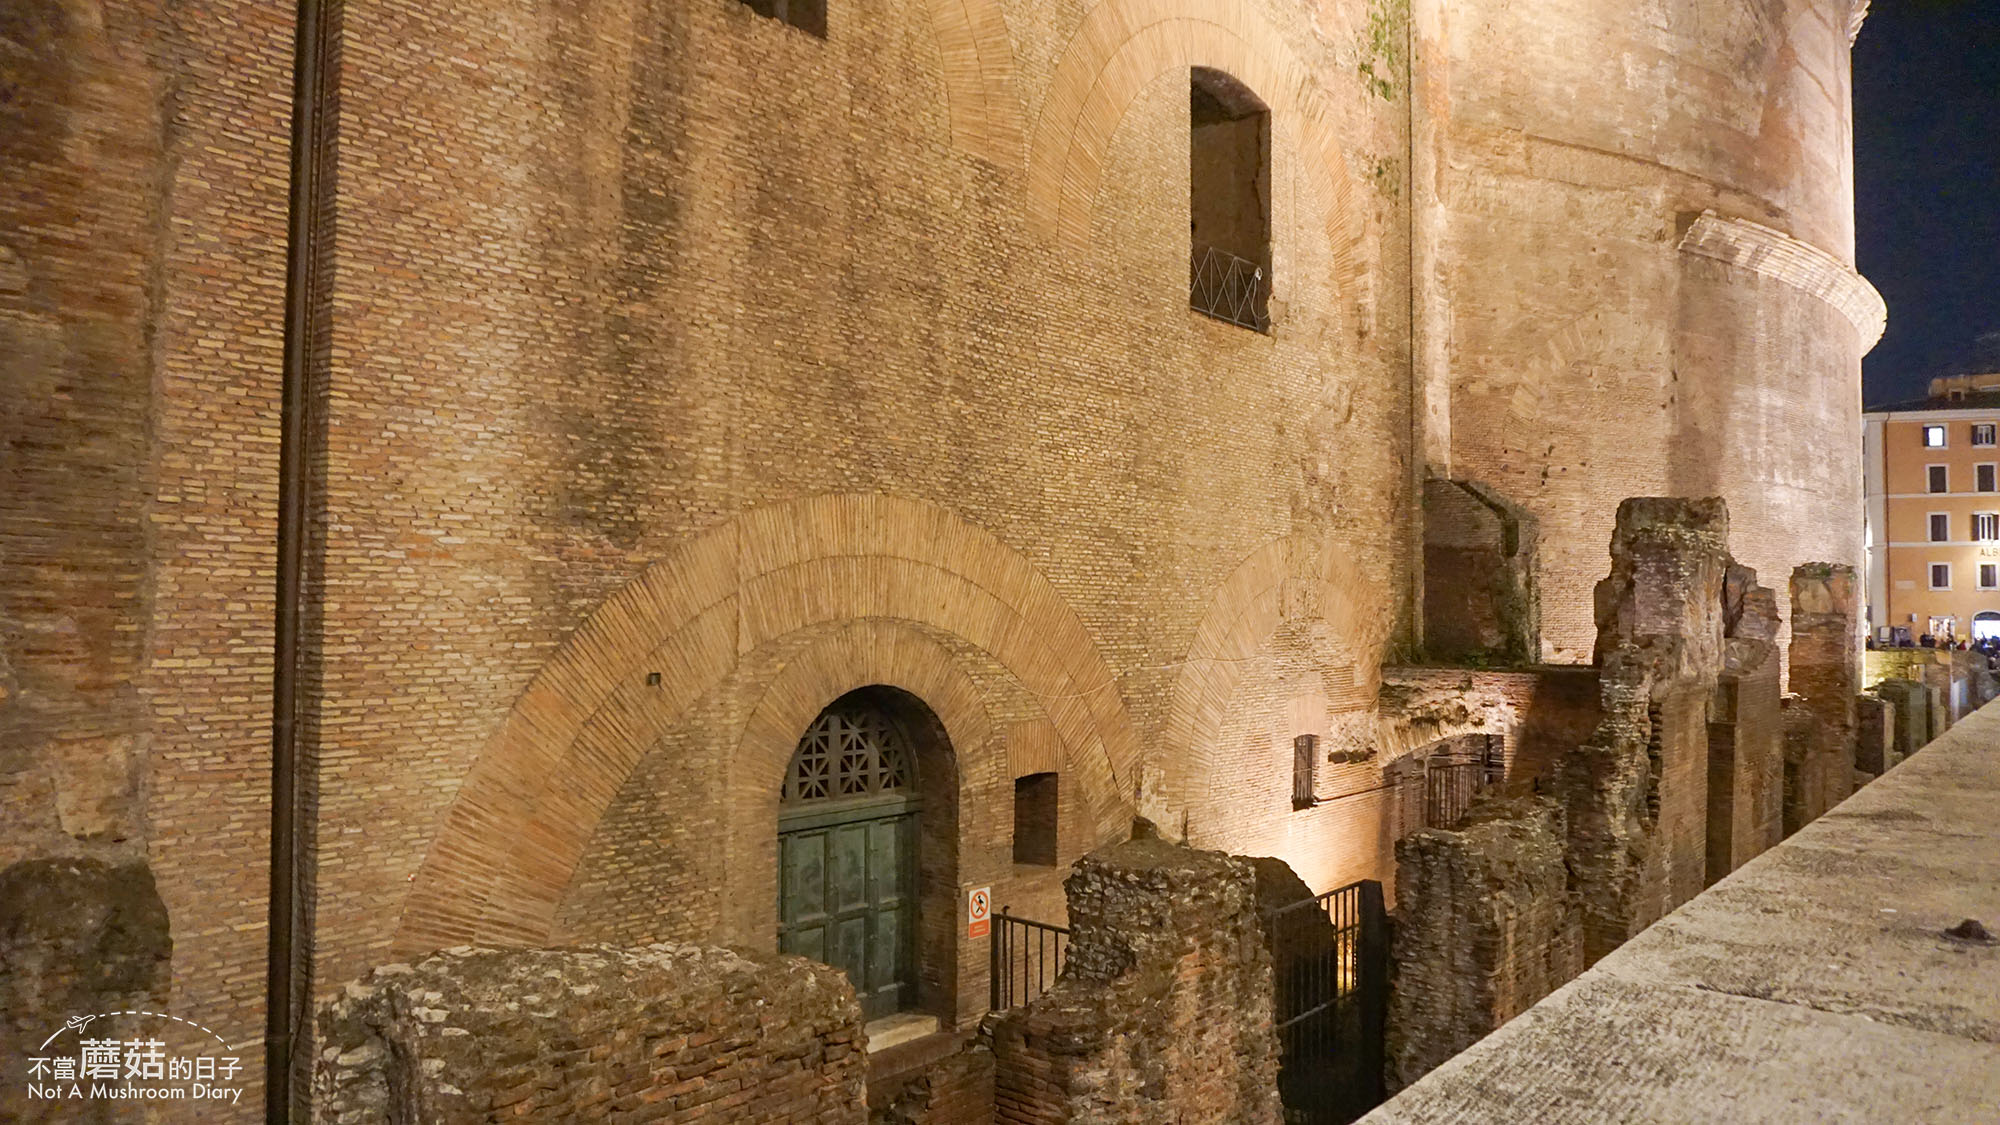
<point x="1927" y="185"/>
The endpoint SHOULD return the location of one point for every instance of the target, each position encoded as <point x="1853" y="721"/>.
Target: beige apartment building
<point x="1933" y="479"/>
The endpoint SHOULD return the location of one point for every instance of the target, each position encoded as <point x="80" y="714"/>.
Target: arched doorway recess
<point x="871" y="784"/>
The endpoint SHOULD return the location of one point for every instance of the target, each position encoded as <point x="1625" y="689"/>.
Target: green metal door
<point x="847" y="833"/>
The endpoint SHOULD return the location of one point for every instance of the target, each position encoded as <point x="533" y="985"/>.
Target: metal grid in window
<point x="853" y="752"/>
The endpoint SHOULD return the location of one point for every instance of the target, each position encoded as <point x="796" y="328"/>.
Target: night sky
<point x="1927" y="187"/>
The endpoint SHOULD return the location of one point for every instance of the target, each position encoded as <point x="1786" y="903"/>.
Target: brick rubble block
<point x="666" y="1033"/>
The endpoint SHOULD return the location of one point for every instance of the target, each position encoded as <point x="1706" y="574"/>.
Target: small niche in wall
<point x="1035" y="819"/>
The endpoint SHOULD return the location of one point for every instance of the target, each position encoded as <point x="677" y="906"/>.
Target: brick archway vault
<point x="504" y="853"/>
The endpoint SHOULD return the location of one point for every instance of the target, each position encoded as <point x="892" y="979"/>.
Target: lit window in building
<point x="1985" y="526"/>
<point x="1989" y="576"/>
<point x="806" y="15"/>
<point x="1983" y="477"/>
<point x="1933" y="437"/>
<point x="1940" y="576"/>
<point x="1982" y="434"/>
<point x="1939" y="479"/>
<point x="1940" y="527"/>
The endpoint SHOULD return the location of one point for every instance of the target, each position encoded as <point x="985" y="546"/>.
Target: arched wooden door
<point x="847" y="853"/>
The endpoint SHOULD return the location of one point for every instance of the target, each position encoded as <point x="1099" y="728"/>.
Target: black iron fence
<point x="1330" y="961"/>
<point x="1230" y="288"/>
<point x="1024" y="959"/>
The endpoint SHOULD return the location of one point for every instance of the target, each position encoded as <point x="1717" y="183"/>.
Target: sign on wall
<point x="979" y="912"/>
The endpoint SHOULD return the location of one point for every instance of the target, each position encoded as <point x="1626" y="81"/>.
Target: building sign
<point x="979" y="912"/>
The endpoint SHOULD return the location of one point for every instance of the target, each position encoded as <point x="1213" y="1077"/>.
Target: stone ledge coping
<point x="1801" y="265"/>
<point x="1813" y="985"/>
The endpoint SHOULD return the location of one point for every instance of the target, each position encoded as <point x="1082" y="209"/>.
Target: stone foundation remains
<point x="1485" y="926"/>
<point x="1163" y="1014"/>
<point x="666" y="1033"/>
<point x="1826" y="669"/>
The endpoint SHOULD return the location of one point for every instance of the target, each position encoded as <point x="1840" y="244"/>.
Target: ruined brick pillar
<point x="1485" y="927"/>
<point x="1745" y="732"/>
<point x="1163" y="1012"/>
<point x="1875" y="741"/>
<point x="1636" y="793"/>
<point x="1826" y="671"/>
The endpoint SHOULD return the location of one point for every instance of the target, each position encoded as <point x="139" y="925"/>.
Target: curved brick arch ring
<point x="1247" y="609"/>
<point x="976" y="53"/>
<point x="503" y="856"/>
<point x="1125" y="45"/>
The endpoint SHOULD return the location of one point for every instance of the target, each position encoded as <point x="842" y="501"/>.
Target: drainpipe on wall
<point x="284" y="1001"/>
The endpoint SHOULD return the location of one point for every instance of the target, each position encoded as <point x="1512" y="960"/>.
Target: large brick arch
<point x="1120" y="49"/>
<point x="981" y="91"/>
<point x="502" y="857"/>
<point x="1247" y="609"/>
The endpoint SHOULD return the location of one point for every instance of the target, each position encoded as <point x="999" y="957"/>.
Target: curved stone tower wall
<point x="1635" y="238"/>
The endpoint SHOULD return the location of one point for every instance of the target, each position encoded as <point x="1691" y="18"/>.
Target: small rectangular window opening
<point x="1985" y="526"/>
<point x="1939" y="478"/>
<point x="1035" y="808"/>
<point x="1940" y="576"/>
<point x="1229" y="205"/>
<point x="1989" y="576"/>
<point x="1933" y="437"/>
<point x="1940" y="527"/>
<point x="1982" y="434"/>
<point x="1984" y="477"/>
<point x="807" y="15"/>
<point x="1305" y="752"/>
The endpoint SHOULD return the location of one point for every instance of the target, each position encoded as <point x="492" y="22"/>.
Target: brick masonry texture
<point x="664" y="340"/>
<point x="1164" y="1012"/>
<point x="1745" y="735"/>
<point x="1636" y="794"/>
<point x="1486" y="926"/>
<point x="661" y="1033"/>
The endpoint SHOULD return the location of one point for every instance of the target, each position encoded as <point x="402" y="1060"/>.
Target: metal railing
<point x="1448" y="791"/>
<point x="1024" y="958"/>
<point x="1330" y="969"/>
<point x="1229" y="288"/>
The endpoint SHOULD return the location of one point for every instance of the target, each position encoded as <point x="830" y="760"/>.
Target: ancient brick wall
<point x="1485" y="926"/>
<point x="955" y="1091"/>
<point x="1636" y="794"/>
<point x="1825" y="656"/>
<point x="1875" y="735"/>
<point x="1164" y="1013"/>
<point x="658" y="1033"/>
<point x="1585" y="337"/>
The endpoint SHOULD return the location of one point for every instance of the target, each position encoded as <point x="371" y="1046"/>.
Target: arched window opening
<point x="1229" y="213"/>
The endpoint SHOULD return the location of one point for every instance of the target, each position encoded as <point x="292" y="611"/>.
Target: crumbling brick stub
<point x="656" y="1033"/>
<point x="1485" y="927"/>
<point x="1635" y="793"/>
<point x="1745" y="732"/>
<point x="1825" y="659"/>
<point x="1164" y="1010"/>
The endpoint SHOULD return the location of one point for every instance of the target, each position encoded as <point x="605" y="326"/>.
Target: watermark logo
<point x="174" y="1060"/>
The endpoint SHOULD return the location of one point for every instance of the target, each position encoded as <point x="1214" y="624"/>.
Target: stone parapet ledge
<point x="1817" y="983"/>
